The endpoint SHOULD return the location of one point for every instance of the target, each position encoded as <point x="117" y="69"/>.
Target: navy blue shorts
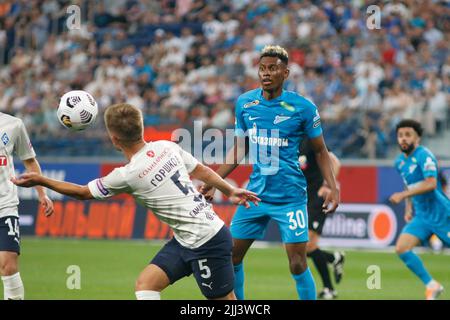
<point x="9" y="234"/>
<point x="211" y="264"/>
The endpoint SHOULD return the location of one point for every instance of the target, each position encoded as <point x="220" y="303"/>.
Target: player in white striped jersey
<point x="157" y="175"/>
<point x="14" y="140"/>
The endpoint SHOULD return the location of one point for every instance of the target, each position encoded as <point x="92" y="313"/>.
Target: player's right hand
<point x="207" y="191"/>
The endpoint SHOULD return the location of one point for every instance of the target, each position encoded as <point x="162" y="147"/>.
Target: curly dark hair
<point x="410" y="123"/>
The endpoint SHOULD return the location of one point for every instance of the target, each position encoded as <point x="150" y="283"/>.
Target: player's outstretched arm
<point x="32" y="179"/>
<point x="323" y="160"/>
<point x="236" y="195"/>
<point x="32" y="165"/>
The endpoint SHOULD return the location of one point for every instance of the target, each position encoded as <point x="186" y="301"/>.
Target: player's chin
<point x="267" y="86"/>
<point x="404" y="146"/>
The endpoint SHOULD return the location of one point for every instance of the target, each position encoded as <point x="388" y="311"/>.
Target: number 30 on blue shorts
<point x="251" y="223"/>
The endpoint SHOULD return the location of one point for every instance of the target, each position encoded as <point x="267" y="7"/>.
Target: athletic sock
<point x="432" y="284"/>
<point x="13" y="287"/>
<point x="239" y="281"/>
<point x="415" y="264"/>
<point x="148" y="295"/>
<point x="306" y="288"/>
<point x="320" y="261"/>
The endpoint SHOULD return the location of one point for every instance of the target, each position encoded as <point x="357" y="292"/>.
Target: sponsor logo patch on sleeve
<point x="430" y="165"/>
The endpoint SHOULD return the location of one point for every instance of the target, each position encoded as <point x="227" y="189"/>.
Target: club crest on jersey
<point x="151" y="153"/>
<point x="251" y="104"/>
<point x="287" y="106"/>
<point x="5" y="139"/>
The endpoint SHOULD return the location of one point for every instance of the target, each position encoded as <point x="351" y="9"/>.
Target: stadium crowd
<point x="187" y="60"/>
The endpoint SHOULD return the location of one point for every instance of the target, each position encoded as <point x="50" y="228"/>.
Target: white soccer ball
<point x="77" y="110"/>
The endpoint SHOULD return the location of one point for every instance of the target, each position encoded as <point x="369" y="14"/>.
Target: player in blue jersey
<point x="270" y="125"/>
<point x="424" y="196"/>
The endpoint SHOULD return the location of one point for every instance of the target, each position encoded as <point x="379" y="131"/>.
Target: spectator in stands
<point x="175" y="52"/>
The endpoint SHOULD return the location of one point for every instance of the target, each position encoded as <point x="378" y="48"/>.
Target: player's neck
<point x="272" y="94"/>
<point x="130" y="151"/>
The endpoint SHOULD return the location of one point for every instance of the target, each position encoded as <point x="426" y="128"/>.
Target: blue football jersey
<point x="431" y="207"/>
<point x="275" y="129"/>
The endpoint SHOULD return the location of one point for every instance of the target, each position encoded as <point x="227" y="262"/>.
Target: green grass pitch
<point x="109" y="269"/>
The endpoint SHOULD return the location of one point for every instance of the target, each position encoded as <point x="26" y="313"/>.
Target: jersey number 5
<point x="184" y="188"/>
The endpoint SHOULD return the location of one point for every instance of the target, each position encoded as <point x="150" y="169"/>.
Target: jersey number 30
<point x="298" y="221"/>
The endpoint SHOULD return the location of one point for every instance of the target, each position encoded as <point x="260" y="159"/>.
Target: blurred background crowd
<point x="182" y="61"/>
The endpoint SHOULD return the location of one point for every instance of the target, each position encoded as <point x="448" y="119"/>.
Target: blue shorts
<point x="9" y="234"/>
<point x="424" y="231"/>
<point x="251" y="223"/>
<point x="211" y="264"/>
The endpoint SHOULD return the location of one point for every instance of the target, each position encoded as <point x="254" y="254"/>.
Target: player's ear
<point x="115" y="141"/>
<point x="286" y="73"/>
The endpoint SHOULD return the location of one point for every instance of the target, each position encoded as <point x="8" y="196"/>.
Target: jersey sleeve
<point x="22" y="146"/>
<point x="428" y="165"/>
<point x="190" y="162"/>
<point x="108" y="186"/>
<point x="313" y="127"/>
<point x="240" y="128"/>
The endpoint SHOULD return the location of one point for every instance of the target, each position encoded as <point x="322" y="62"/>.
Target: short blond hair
<point x="275" y="51"/>
<point x="125" y="121"/>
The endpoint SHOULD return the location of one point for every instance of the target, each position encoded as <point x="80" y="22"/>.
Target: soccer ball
<point x="77" y="110"/>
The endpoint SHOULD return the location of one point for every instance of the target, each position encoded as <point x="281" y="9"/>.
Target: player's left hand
<point x="397" y="197"/>
<point x="331" y="201"/>
<point x="243" y="197"/>
<point x="47" y="203"/>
